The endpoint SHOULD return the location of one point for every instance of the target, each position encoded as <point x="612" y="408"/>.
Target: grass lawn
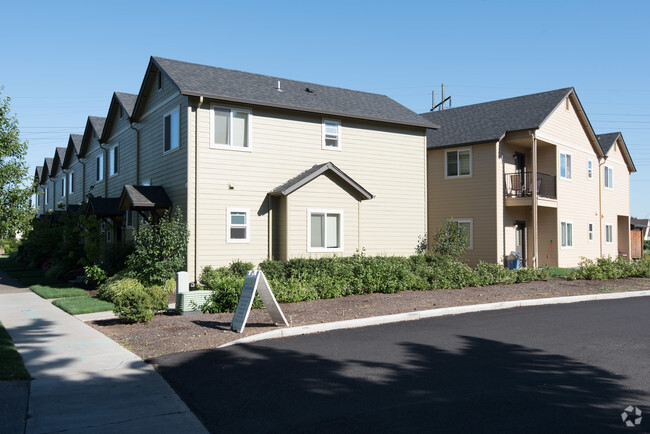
<point x="79" y="305"/>
<point x="560" y="272"/>
<point x="11" y="364"/>
<point x="52" y="292"/>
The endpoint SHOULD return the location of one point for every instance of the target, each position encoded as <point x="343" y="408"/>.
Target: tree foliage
<point x="160" y="249"/>
<point x="15" y="188"/>
<point x="451" y="239"/>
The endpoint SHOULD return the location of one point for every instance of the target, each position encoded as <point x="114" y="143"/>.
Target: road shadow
<point x="485" y="386"/>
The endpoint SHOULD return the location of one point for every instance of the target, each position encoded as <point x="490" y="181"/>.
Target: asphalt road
<point x="560" y="368"/>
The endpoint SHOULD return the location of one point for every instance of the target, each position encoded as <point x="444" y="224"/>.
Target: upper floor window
<point x="171" y="131"/>
<point x="63" y="186"/>
<point x="230" y="128"/>
<point x="70" y="182"/>
<point x="159" y="81"/>
<point x="331" y="134"/>
<point x="590" y="169"/>
<point x="45" y="195"/>
<point x="113" y="160"/>
<point x="609" y="177"/>
<point x="565" y="166"/>
<point x="99" y="168"/>
<point x="590" y="231"/>
<point x="459" y="163"/>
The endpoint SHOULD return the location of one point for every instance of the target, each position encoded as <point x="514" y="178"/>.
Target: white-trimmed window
<point x="230" y="128"/>
<point x="590" y="231"/>
<point x="171" y="134"/>
<point x="238" y="225"/>
<point x="324" y="230"/>
<point x="609" y="177"/>
<point x="70" y="182"/>
<point x="113" y="160"/>
<point x="331" y="134"/>
<point x="45" y="195"/>
<point x="63" y="189"/>
<point x="566" y="235"/>
<point x="458" y="163"/>
<point x="565" y="165"/>
<point x="590" y="169"/>
<point x="609" y="234"/>
<point x="466" y="226"/>
<point x="99" y="167"/>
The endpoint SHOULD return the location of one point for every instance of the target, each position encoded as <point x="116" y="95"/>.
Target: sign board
<point x="256" y="282"/>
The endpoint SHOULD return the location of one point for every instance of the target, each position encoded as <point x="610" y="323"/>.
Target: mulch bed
<point x="172" y="333"/>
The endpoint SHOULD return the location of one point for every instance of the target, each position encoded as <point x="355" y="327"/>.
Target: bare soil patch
<point x="172" y="333"/>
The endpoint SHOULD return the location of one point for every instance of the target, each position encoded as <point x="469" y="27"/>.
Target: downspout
<point x="600" y="204"/>
<point x="137" y="152"/>
<point x="196" y="188"/>
<point x="535" y="216"/>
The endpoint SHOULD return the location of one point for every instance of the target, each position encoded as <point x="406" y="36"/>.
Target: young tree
<point x="451" y="238"/>
<point x="15" y="188"/>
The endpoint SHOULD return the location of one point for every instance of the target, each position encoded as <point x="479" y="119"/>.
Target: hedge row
<point x="303" y="279"/>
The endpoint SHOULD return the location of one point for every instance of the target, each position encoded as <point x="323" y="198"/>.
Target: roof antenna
<point x="279" y="87"/>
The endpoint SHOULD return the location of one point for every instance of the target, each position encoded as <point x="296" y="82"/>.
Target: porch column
<point x="534" y="188"/>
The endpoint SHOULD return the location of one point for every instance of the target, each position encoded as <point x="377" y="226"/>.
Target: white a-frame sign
<point x="256" y="281"/>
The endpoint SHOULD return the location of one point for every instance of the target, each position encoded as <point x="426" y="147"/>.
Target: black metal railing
<point x="520" y="185"/>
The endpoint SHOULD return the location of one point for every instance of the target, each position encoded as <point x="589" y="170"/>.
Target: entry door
<point x="520" y="240"/>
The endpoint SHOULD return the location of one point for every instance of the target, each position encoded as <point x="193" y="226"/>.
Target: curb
<point x="432" y="313"/>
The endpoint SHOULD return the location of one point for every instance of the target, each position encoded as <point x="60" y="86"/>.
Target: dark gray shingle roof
<point x="248" y="88"/>
<point x="97" y="123"/>
<point x="76" y="141"/>
<point x="144" y="197"/>
<point x="38" y="173"/>
<point x="104" y="207"/>
<point x="606" y="141"/>
<point x="490" y="121"/>
<point x="127" y="100"/>
<point x="314" y="172"/>
<point x="47" y="167"/>
<point x="640" y="223"/>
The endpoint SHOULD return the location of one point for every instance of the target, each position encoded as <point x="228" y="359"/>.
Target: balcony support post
<point x="534" y="189"/>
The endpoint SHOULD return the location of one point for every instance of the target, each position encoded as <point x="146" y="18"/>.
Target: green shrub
<point x="95" y="274"/>
<point x="493" y="274"/>
<point x="114" y="256"/>
<point x="531" y="274"/>
<point x="114" y="286"/>
<point x="608" y="268"/>
<point x="273" y="270"/>
<point x="160" y="249"/>
<point x="451" y="239"/>
<point x="134" y="305"/>
<point x="239" y="268"/>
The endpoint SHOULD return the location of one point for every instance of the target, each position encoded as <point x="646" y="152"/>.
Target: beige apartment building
<point x="528" y="174"/>
<point x="261" y="167"/>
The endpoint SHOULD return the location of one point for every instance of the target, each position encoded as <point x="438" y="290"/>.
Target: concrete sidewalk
<point x="83" y="381"/>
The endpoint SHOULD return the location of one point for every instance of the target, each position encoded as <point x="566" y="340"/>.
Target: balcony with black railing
<point x="520" y="185"/>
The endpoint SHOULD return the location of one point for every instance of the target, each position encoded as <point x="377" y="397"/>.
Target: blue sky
<point x="62" y="60"/>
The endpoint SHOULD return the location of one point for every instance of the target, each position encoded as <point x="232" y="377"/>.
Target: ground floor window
<point x="567" y="234"/>
<point x="466" y="227"/>
<point x="609" y="234"/>
<point x="325" y="230"/>
<point x="591" y="231"/>
<point x="238" y="225"/>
